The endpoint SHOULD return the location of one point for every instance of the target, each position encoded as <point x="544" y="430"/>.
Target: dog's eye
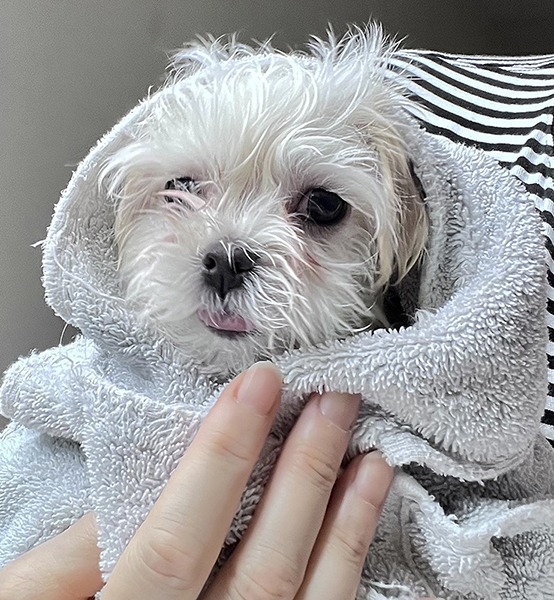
<point x="183" y="192"/>
<point x="182" y="184"/>
<point x="322" y="207"/>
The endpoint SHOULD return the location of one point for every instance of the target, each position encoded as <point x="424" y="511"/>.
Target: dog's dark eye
<point x="322" y="207"/>
<point x="183" y="184"/>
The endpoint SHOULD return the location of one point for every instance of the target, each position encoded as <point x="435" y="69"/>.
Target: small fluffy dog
<point x="268" y="200"/>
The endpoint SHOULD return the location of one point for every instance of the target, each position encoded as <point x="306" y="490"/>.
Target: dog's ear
<point x="403" y="236"/>
<point x="413" y="222"/>
<point x="400" y="299"/>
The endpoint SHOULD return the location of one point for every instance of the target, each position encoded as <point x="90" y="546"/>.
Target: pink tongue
<point x="224" y="321"/>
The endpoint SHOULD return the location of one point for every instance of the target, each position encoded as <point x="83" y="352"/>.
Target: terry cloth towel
<point x="454" y="400"/>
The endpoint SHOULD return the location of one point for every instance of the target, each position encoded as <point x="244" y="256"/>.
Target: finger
<point x="336" y="563"/>
<point x="172" y="553"/>
<point x="63" y="568"/>
<point x="271" y="559"/>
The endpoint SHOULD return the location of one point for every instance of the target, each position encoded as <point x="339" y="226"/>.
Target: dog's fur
<point x="256" y="129"/>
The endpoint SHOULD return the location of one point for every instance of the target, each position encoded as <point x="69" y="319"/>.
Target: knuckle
<point x="168" y="562"/>
<point x="317" y="466"/>
<point x="227" y="446"/>
<point x="351" y="548"/>
<point x="277" y="577"/>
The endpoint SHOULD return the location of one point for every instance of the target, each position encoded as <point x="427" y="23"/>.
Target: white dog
<point x="268" y="200"/>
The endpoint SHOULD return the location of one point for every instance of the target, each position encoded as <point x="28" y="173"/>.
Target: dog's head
<point x="267" y="199"/>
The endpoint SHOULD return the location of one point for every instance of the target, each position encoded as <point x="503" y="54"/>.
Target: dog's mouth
<point x="225" y="324"/>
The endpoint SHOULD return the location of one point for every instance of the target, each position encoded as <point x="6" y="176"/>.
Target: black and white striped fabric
<point x="504" y="105"/>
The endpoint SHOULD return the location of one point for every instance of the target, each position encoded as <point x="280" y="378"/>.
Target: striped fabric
<point x="504" y="105"/>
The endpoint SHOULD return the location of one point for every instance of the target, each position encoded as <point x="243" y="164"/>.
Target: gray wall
<point x="70" y="68"/>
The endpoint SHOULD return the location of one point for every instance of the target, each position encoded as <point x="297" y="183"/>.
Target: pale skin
<point x="307" y="540"/>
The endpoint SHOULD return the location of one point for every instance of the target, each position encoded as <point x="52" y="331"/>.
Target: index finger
<point x="173" y="552"/>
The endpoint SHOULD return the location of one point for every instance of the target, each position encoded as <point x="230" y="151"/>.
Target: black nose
<point x="224" y="267"/>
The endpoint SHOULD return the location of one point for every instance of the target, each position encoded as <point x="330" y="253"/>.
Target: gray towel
<point x="453" y="401"/>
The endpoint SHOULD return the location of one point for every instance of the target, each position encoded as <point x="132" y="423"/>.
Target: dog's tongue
<point x="224" y="321"/>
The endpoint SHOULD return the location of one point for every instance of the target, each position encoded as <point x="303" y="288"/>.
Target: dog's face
<point x="262" y="206"/>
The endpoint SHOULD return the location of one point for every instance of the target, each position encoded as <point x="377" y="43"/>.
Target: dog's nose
<point x="224" y="267"/>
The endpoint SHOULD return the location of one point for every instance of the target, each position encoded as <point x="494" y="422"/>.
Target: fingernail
<point x="373" y="478"/>
<point x="260" y="387"/>
<point x="340" y="409"/>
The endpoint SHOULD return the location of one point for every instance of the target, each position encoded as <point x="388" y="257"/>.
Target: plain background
<point x="71" y="68"/>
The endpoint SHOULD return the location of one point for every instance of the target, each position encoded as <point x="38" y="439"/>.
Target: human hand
<point x="308" y="537"/>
